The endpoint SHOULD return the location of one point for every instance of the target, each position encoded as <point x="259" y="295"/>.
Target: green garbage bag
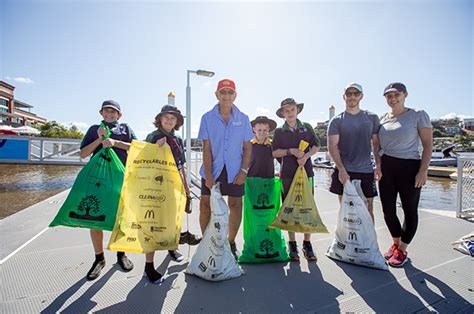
<point x="93" y="200"/>
<point x="261" y="204"/>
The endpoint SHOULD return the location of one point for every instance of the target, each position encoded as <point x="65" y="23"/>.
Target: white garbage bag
<point x="356" y="240"/>
<point x="213" y="259"/>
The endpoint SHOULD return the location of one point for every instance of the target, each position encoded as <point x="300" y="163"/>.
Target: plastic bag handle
<point x="102" y="125"/>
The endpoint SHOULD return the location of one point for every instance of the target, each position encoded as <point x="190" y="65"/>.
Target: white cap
<point x="354" y="85"/>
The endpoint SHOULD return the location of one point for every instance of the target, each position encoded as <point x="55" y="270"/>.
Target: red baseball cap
<point x="226" y="83"/>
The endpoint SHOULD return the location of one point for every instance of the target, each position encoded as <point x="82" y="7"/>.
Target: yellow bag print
<point x="299" y="212"/>
<point x="152" y="201"/>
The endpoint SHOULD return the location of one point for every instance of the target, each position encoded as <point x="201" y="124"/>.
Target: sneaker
<point x="233" y="248"/>
<point x="152" y="275"/>
<point x="193" y="239"/>
<point x="176" y="256"/>
<point x="293" y="252"/>
<point x="183" y="239"/>
<point x="308" y="251"/>
<point x="125" y="263"/>
<point x="94" y="272"/>
<point x="390" y="251"/>
<point x="398" y="259"/>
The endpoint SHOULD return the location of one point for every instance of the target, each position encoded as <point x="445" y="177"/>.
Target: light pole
<point x="188" y="116"/>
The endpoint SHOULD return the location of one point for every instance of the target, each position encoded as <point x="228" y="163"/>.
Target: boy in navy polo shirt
<point x="261" y="164"/>
<point x="121" y="135"/>
<point x="167" y="122"/>
<point x="285" y="145"/>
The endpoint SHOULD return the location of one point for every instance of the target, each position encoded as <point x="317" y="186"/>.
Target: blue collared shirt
<point x="227" y="140"/>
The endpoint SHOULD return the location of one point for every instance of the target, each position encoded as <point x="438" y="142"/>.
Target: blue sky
<point x="66" y="57"/>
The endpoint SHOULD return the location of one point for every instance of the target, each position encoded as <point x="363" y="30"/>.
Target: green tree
<point x="322" y="135"/>
<point x="465" y="139"/>
<point x="437" y="132"/>
<point x="54" y="129"/>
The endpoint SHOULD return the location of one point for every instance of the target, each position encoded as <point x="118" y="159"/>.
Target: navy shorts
<point x="229" y="189"/>
<point x="367" y="183"/>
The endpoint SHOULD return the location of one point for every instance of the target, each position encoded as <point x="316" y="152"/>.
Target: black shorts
<point x="367" y="183"/>
<point x="286" y="184"/>
<point x="229" y="189"/>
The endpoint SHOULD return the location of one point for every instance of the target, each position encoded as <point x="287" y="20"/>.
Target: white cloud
<point x="82" y="126"/>
<point x="23" y="80"/>
<point x="262" y="110"/>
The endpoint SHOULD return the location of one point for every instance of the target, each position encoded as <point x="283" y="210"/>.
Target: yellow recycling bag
<point x="299" y="212"/>
<point x="152" y="201"/>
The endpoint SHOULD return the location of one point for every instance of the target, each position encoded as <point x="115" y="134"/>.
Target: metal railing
<point x="465" y="188"/>
<point x="40" y="150"/>
<point x="194" y="165"/>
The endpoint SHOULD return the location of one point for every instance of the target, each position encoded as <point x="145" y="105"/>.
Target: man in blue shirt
<point x="226" y="134"/>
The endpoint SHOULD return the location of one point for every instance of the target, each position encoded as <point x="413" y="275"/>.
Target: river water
<point x="24" y="185"/>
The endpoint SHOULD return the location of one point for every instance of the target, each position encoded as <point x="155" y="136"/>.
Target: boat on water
<point x="444" y="162"/>
<point x="441" y="172"/>
<point x="323" y="163"/>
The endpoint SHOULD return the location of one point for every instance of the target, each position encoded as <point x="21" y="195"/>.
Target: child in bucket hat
<point x="286" y="146"/>
<point x="167" y="122"/>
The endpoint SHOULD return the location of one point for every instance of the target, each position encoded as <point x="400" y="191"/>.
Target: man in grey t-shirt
<point x="351" y="135"/>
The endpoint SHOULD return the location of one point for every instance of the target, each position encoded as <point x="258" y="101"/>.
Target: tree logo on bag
<point x="267" y="246"/>
<point x="89" y="204"/>
<point x="104" y="157"/>
<point x="150" y="214"/>
<point x="159" y="179"/>
<point x="352" y="236"/>
<point x="261" y="200"/>
<point x="217" y="225"/>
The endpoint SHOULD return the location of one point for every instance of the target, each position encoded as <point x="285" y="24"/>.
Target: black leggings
<point x="398" y="177"/>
